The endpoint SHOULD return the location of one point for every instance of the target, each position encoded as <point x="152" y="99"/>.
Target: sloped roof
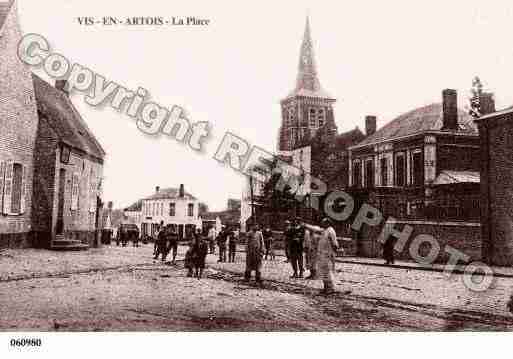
<point x="349" y="138"/>
<point x="64" y="119"/>
<point x="5" y="6"/>
<point x="134" y="207"/>
<point x="169" y="193"/>
<point x="226" y="217"/>
<point x="420" y="120"/>
<point x="451" y="177"/>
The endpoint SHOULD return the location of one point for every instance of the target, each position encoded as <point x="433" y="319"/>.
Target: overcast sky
<point x="376" y="57"/>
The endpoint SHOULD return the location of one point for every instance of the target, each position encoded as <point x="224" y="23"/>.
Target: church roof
<point x="135" y="207"/>
<point x="307" y="82"/>
<point x="64" y="119"/>
<point x="423" y="119"/>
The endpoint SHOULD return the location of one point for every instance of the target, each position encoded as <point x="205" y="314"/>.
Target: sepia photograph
<point x="234" y="168"/>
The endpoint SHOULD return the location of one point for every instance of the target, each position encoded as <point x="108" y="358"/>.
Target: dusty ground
<point x="115" y="288"/>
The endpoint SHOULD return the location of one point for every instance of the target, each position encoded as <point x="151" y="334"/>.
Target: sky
<point x="375" y="57"/>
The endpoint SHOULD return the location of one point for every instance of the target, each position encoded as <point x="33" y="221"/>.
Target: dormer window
<point x="65" y="154"/>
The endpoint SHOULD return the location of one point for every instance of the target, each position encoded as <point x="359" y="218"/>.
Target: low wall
<point x="15" y="240"/>
<point x="463" y="236"/>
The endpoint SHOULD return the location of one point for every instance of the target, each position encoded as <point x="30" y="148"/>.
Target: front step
<point x="60" y="243"/>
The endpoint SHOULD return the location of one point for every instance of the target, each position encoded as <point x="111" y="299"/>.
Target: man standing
<point x="310" y="247"/>
<point x="173" y="242"/>
<point x="211" y="239"/>
<point x="296" y="249"/>
<point x="326" y="251"/>
<point x="254" y="253"/>
<point x="161" y="243"/>
<point x="221" y="243"/>
<point x="288" y="235"/>
<point x="232" y="245"/>
<point x="268" y="237"/>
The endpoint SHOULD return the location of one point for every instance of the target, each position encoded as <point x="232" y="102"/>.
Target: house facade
<point x="50" y="163"/>
<point x="170" y="206"/>
<point x="496" y="134"/>
<point x="423" y="164"/>
<point x="18" y="128"/>
<point x="133" y="214"/>
<point x="68" y="171"/>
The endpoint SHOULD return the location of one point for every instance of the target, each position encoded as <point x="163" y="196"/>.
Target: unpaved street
<point x="115" y="288"/>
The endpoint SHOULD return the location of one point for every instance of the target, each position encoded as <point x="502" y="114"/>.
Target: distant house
<point x="133" y="213"/>
<point x="50" y="162"/>
<point x="172" y="206"/>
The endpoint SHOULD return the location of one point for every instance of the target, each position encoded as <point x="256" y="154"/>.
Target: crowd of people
<point x="307" y="247"/>
<point x="310" y="246"/>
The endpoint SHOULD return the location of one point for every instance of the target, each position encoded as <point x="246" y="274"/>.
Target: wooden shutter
<point x="9" y="170"/>
<point x="2" y="176"/>
<point x="23" y="188"/>
<point x="74" y="192"/>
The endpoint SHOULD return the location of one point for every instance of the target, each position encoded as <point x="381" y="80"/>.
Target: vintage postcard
<point x="222" y="166"/>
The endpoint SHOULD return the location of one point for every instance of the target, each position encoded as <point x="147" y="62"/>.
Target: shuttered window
<point x="12" y="187"/>
<point x="74" y="191"/>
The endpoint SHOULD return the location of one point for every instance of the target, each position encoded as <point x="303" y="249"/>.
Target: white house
<point x="133" y="214"/>
<point x="170" y="206"/>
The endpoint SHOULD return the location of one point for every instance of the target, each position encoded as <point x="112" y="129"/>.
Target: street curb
<point x="431" y="269"/>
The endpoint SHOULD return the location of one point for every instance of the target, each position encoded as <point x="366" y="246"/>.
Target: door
<point x="180" y="232"/>
<point x="60" y="205"/>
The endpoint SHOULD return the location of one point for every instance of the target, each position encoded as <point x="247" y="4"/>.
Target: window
<point x="17" y="179"/>
<point x="311" y="118"/>
<point x="291" y="116"/>
<point x="384" y="171"/>
<point x="190" y="209"/>
<point x="65" y="153"/>
<point x="369" y="174"/>
<point x="400" y="173"/>
<point x="172" y="209"/>
<point x="417" y="171"/>
<point x="75" y="191"/>
<point x="357" y="174"/>
<point x="321" y="117"/>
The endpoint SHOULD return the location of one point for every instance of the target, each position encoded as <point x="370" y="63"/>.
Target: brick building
<point x="18" y="127"/>
<point x="68" y="170"/>
<point x="50" y="163"/>
<point x="496" y="134"/>
<point x="423" y="164"/>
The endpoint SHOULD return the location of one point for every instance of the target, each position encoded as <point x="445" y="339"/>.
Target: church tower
<point x="308" y="108"/>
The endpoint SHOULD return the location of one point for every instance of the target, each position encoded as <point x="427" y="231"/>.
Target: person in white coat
<point x="327" y="248"/>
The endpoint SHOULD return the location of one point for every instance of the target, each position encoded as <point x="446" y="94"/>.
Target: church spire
<point x="307" y="82"/>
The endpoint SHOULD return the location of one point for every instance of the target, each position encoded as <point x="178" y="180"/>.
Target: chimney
<point x="370" y="125"/>
<point x="181" y="193"/>
<point x="450" y="109"/>
<point x="157" y="189"/>
<point x="486" y="103"/>
<point x="61" y="85"/>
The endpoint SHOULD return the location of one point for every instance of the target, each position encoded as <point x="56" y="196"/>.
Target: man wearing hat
<point x="326" y="250"/>
<point x="296" y="248"/>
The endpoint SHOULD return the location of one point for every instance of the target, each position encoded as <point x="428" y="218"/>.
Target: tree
<point x="475" y="100"/>
<point x="202" y="208"/>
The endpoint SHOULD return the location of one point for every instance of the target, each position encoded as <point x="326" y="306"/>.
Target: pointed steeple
<point x="307" y="83"/>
